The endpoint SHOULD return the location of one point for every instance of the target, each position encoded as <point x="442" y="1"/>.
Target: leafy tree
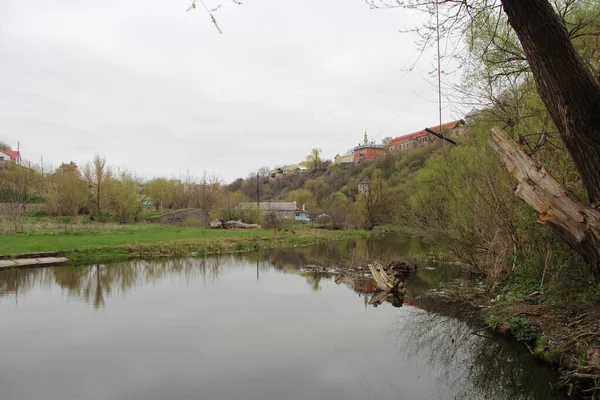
<point x="18" y="185"/>
<point x="313" y="160"/>
<point x="160" y="191"/>
<point x="66" y="192"/>
<point x="123" y="198"/>
<point x="302" y="197"/>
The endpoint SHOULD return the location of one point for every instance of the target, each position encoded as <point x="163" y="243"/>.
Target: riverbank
<point x="92" y="243"/>
<point x="563" y="334"/>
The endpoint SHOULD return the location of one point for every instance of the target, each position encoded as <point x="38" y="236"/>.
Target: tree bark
<point x="569" y="90"/>
<point x="578" y="224"/>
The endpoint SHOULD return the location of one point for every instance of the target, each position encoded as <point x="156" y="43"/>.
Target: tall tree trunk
<point x="567" y="87"/>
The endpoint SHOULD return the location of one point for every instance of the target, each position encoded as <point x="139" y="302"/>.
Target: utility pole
<point x="257" y="193"/>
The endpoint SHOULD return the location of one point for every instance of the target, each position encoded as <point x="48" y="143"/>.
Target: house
<point x="348" y="157"/>
<point x="422" y="138"/>
<point x="294" y="169"/>
<point x="368" y="150"/>
<point x="10" y="155"/>
<point x="276" y="174"/>
<point x="282" y="209"/>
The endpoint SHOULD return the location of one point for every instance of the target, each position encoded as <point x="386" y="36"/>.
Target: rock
<point x="216" y="224"/>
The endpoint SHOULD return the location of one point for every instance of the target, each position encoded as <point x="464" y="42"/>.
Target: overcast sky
<point x="158" y="91"/>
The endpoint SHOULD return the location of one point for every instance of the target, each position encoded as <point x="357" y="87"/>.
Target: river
<point x="247" y="327"/>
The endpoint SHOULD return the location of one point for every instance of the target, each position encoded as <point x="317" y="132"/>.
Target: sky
<point x="159" y="91"/>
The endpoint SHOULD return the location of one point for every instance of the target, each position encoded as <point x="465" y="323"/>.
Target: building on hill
<point x="413" y="140"/>
<point x="10" y="155"/>
<point x="348" y="157"/>
<point x="368" y="150"/>
<point x="294" y="169"/>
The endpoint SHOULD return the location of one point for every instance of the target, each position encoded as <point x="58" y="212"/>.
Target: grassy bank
<point x="95" y="242"/>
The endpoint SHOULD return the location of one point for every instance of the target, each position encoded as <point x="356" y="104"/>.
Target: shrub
<point x="522" y="329"/>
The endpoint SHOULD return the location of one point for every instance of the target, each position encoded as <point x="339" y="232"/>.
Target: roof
<point x="365" y="180"/>
<point x="273" y="205"/>
<point x="12" y="154"/>
<point x="369" y="145"/>
<point x="415" y="135"/>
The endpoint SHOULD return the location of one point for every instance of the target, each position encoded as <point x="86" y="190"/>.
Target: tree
<point x="123" y="199"/>
<point x="5" y="146"/>
<point x="374" y="203"/>
<point x="98" y="177"/>
<point x="18" y="185"/>
<point x="205" y="194"/>
<point x="314" y="160"/>
<point x="66" y="191"/>
<point x="159" y="190"/>
<point x="264" y="173"/>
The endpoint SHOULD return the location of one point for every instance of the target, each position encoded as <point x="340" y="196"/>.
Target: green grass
<point x="97" y="242"/>
<point x="119" y="236"/>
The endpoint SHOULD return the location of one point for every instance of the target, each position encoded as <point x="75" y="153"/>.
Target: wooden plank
<point x="32" y="262"/>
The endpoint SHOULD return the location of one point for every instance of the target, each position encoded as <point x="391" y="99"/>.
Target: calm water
<point x="245" y="328"/>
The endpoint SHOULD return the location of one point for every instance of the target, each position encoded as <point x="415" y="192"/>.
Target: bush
<point x="522" y="329"/>
<point x="271" y="221"/>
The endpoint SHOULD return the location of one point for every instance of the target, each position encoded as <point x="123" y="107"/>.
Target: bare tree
<point x="206" y="193"/>
<point x="374" y="203"/>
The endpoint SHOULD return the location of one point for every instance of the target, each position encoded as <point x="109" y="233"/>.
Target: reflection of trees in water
<point x="94" y="283"/>
<point x="470" y="366"/>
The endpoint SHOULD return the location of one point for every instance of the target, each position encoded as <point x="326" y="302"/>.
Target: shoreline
<point x="564" y="337"/>
<point x="226" y="242"/>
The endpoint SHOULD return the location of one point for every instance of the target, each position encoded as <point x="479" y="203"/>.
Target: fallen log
<point x="216" y="224"/>
<point x="239" y="225"/>
<point x="577" y="223"/>
<point x="390" y="277"/>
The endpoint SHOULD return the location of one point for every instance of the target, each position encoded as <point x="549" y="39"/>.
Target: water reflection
<point x="93" y="284"/>
<point x="245" y="326"/>
<point x="470" y="366"/>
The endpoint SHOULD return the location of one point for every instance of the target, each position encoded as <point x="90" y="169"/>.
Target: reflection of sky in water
<point x="236" y="328"/>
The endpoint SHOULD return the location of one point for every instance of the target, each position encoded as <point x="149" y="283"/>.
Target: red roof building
<point x="10" y="155"/>
<point x="420" y="138"/>
<point x="368" y="150"/>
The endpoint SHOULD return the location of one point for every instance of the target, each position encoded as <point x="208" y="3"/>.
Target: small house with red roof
<point x="421" y="138"/>
<point x="10" y="155"/>
<point x="368" y="150"/>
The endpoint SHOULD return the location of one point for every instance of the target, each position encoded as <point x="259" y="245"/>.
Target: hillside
<point x="332" y="189"/>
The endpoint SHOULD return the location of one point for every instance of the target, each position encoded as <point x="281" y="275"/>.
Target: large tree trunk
<point x="577" y="223"/>
<point x="567" y="87"/>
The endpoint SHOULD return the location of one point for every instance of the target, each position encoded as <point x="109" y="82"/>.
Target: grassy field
<point x="111" y="236"/>
<point x="97" y="242"/>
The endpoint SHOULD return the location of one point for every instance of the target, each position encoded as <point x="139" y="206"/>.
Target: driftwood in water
<point x="389" y="278"/>
<point x="239" y="224"/>
<point x="394" y="298"/>
<point x="578" y="224"/>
